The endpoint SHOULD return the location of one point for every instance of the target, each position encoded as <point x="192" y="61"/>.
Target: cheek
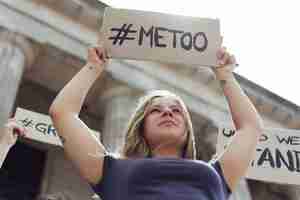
<point x="148" y="127"/>
<point x="183" y="122"/>
<point x="184" y="131"/>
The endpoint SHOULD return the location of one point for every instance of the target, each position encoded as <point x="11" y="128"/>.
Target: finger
<point x="224" y="59"/>
<point x="25" y="132"/>
<point x="11" y="124"/>
<point x="95" y="55"/>
<point x="232" y="60"/>
<point x="99" y="53"/>
<point x="17" y="131"/>
<point x="11" y="120"/>
<point x="98" y="50"/>
<point x="104" y="55"/>
<point x="221" y="52"/>
<point x="22" y="134"/>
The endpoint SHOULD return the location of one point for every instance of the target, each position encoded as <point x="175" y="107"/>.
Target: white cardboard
<point x="269" y="145"/>
<point x="163" y="27"/>
<point x="40" y="127"/>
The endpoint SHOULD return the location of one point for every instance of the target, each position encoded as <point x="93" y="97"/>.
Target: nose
<point x="167" y="111"/>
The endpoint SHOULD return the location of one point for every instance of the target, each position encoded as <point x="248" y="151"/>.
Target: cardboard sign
<point x="277" y="156"/>
<point x="140" y="35"/>
<point x="40" y="127"/>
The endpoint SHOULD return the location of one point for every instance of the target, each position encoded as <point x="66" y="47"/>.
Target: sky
<point x="264" y="36"/>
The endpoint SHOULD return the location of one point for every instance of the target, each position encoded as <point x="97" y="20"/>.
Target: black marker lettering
<point x="157" y="36"/>
<point x="203" y="40"/>
<point x="186" y="41"/>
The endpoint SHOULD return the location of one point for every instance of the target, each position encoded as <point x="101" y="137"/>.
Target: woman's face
<point x="165" y="123"/>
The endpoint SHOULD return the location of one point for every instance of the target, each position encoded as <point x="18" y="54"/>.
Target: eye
<point x="176" y="110"/>
<point x="155" y="110"/>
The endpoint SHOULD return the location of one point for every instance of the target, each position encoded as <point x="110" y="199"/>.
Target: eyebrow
<point x="156" y="103"/>
<point x="175" y="105"/>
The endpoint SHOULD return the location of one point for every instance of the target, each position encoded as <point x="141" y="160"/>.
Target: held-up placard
<point x="277" y="157"/>
<point x="40" y="127"/>
<point x="140" y="35"/>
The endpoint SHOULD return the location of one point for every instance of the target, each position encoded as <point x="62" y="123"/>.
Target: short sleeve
<point x="216" y="165"/>
<point x="108" y="162"/>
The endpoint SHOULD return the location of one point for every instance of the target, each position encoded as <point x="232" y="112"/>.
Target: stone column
<point x="16" y="53"/>
<point x="119" y="102"/>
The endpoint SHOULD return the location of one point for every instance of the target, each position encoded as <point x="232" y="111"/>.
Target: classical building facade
<point x="43" y="44"/>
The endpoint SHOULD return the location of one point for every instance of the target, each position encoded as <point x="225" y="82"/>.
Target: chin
<point x="166" y="134"/>
<point x="173" y="135"/>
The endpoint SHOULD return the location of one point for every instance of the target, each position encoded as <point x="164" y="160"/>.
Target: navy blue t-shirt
<point x="161" y="179"/>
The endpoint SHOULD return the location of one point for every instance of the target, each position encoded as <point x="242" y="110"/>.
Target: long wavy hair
<point x="135" y="144"/>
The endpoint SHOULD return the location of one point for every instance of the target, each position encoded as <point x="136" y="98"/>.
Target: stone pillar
<point x="119" y="102"/>
<point x="16" y="53"/>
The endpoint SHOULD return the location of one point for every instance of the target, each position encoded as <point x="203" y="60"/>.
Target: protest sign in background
<point x="155" y="36"/>
<point x="277" y="157"/>
<point x="40" y="127"/>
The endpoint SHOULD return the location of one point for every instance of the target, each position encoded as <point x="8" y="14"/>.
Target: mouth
<point x="167" y="123"/>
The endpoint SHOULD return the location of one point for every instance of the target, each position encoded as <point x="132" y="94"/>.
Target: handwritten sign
<point x="140" y="35"/>
<point x="40" y="127"/>
<point x="277" y="156"/>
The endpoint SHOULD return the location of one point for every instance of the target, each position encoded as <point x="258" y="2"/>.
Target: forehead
<point x="165" y="101"/>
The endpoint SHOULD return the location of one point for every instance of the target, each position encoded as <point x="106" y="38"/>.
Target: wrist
<point x="224" y="75"/>
<point x="5" y="146"/>
<point x="4" y="149"/>
<point x="95" y="67"/>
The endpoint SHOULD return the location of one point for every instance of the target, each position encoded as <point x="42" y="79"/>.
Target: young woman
<point x="159" y="154"/>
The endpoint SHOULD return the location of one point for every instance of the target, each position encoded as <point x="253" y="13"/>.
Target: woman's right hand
<point x="97" y="56"/>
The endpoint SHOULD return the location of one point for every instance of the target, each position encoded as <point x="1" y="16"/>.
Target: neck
<point x="168" y="152"/>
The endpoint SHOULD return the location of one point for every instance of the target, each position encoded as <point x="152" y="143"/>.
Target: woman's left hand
<point x="226" y="63"/>
<point x="11" y="132"/>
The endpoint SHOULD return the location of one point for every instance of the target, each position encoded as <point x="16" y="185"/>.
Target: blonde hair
<point x="136" y="145"/>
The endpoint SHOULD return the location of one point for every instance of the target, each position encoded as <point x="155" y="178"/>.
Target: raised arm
<point x="236" y="160"/>
<point x="78" y="141"/>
